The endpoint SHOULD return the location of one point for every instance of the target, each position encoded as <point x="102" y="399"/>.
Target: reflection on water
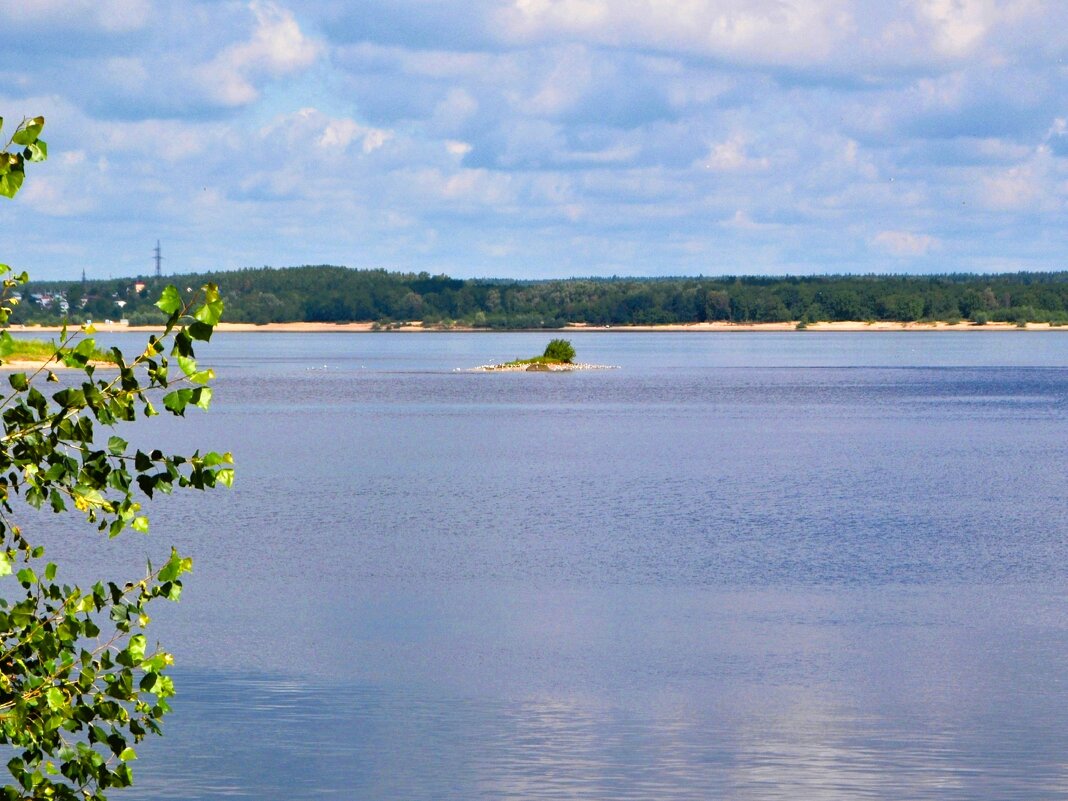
<point x="257" y="737"/>
<point x="741" y="567"/>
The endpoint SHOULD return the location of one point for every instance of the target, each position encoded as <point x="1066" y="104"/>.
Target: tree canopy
<point x="339" y="294"/>
<point x="80" y="684"/>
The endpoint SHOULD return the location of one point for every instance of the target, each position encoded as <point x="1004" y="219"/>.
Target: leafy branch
<point x="79" y="686"/>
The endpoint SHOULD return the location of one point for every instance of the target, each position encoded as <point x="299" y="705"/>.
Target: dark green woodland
<point x="339" y="294"/>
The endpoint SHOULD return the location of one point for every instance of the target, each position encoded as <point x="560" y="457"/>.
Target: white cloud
<point x="756" y="31"/>
<point x="732" y="156"/>
<point x="1015" y="188"/>
<point x="112" y="16"/>
<point x="457" y="148"/>
<point x="289" y="133"/>
<point x="956" y="26"/>
<point x="905" y="243"/>
<point x="665" y="128"/>
<point x="276" y="47"/>
<point x="340" y="134"/>
<point x="565" y="85"/>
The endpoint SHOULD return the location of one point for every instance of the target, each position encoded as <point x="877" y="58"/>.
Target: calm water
<point x="745" y="566"/>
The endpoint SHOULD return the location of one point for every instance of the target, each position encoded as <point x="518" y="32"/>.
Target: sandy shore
<point x="319" y="328"/>
<point x="840" y="326"/>
<point x="26" y="366"/>
<point x="534" y="368"/>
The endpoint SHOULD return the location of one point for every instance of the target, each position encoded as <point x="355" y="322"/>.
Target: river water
<point x="740" y="566"/>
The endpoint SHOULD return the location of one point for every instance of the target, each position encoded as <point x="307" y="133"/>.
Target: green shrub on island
<point x="559" y="350"/>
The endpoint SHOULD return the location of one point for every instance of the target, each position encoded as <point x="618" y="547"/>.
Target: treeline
<point x="338" y="294"/>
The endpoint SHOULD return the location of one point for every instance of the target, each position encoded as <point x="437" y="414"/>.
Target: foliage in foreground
<point x="80" y="685"/>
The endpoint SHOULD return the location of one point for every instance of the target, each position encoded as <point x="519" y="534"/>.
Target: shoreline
<point x="418" y="328"/>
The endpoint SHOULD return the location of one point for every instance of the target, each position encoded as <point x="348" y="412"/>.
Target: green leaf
<point x="140" y="524"/>
<point x="176" y="401"/>
<point x="170" y="301"/>
<point x="128" y="755"/>
<point x="199" y="330"/>
<point x="55" y="698"/>
<point x="70" y="398"/>
<point x="225" y="476"/>
<point x="137" y="647"/>
<point x="211" y="311"/>
<point x="173" y="568"/>
<point x="7" y="344"/>
<point x="36" y="151"/>
<point x="5" y="564"/>
<point x="189" y="367"/>
<point x="18" y="381"/>
<point x="28" y="132"/>
<point x="11" y="182"/>
<point x="117" y="446"/>
<point x="212" y="458"/>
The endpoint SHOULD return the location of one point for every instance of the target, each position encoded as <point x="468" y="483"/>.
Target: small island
<point x="559" y="357"/>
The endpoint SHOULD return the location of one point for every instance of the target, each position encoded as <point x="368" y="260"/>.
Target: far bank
<point x="577" y="328"/>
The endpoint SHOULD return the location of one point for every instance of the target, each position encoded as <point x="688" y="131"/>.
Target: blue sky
<point x="541" y="138"/>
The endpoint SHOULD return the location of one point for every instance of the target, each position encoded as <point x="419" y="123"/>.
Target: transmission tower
<point x="159" y="259"/>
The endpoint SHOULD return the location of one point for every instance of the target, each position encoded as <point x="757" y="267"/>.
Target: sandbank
<point x="535" y="368"/>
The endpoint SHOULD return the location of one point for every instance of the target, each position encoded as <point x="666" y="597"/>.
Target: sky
<point x="540" y="138"/>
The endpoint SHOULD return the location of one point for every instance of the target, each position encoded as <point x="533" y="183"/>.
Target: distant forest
<point x="339" y="294"/>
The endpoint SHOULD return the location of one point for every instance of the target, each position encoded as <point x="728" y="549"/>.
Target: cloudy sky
<point x="541" y="138"/>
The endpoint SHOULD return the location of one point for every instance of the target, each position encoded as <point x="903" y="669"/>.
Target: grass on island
<point x="37" y="350"/>
<point x="533" y="360"/>
<point x="558" y="351"/>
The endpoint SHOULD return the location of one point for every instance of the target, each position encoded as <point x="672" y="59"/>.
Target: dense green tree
<point x="80" y="684"/>
<point x="559" y="350"/>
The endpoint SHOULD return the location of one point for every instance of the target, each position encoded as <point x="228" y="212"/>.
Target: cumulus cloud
<point x="732" y="155"/>
<point x="1012" y="189"/>
<point x="905" y="243"/>
<point x="276" y="47"/>
<point x="329" y="134"/>
<point x="956" y="26"/>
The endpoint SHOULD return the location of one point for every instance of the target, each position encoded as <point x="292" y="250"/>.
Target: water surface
<point x="741" y="566"/>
